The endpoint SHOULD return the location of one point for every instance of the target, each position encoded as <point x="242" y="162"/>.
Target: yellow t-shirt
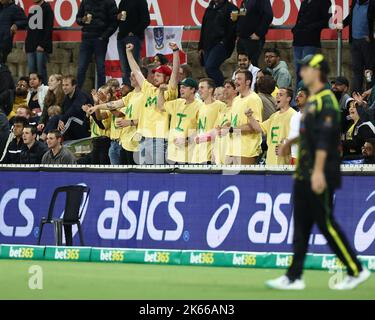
<point x="96" y="131"/>
<point x="275" y="92"/>
<point x="154" y="123"/>
<point x="245" y="144"/>
<point x="183" y="124"/>
<point x="277" y="129"/>
<point x="133" y="103"/>
<point x="207" y="116"/>
<point x="221" y="143"/>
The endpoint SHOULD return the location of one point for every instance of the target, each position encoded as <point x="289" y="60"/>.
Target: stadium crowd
<point x="160" y="114"/>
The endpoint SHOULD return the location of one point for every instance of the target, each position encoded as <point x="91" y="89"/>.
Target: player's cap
<point x="163" y="69"/>
<point x="316" y="61"/>
<point x="341" y="81"/>
<point x="190" y="82"/>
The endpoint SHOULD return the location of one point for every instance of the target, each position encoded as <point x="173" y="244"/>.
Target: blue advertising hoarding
<point x="187" y="211"/>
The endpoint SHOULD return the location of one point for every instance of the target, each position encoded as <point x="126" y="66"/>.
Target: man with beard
<point x="20" y="99"/>
<point x="340" y="87"/>
<point x="244" y="63"/>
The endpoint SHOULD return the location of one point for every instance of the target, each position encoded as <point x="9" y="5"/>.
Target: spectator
<point x="153" y="125"/>
<point x="32" y="151"/>
<point x="4" y="131"/>
<point x="340" y="87"/>
<point x="301" y="100"/>
<point x="368" y="151"/>
<point x="361" y="37"/>
<point x="184" y="72"/>
<point x="99" y="21"/>
<point x="254" y="20"/>
<point x="277" y="127"/>
<point x="12" y="151"/>
<point x="266" y="86"/>
<point x="12" y="18"/>
<point x="244" y="63"/>
<point x="243" y="143"/>
<point x="221" y="142"/>
<point x="55" y="97"/>
<point x="37" y="94"/>
<point x="278" y="68"/>
<point x="6" y="87"/>
<point x="73" y="123"/>
<point x="131" y="30"/>
<point x="183" y="113"/>
<point x="57" y="153"/>
<point x="38" y="43"/>
<point x="207" y="115"/>
<point x="22" y="90"/>
<point x="312" y="18"/>
<point x="261" y="73"/>
<point x="219" y="94"/>
<point x="217" y="39"/>
<point x="358" y="133"/>
<point x="160" y="60"/>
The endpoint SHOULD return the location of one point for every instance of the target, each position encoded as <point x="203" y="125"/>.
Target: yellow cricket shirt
<point x="245" y="144"/>
<point x="183" y="124"/>
<point x="154" y="123"/>
<point x="221" y="143"/>
<point x="96" y="131"/>
<point x="277" y="128"/>
<point x="133" y="103"/>
<point x="207" y="117"/>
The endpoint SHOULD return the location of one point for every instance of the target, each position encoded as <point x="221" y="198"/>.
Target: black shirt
<point x="137" y="18"/>
<point x="320" y="130"/>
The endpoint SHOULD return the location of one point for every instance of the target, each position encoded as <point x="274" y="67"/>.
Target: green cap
<point x="316" y="61"/>
<point x="190" y="82"/>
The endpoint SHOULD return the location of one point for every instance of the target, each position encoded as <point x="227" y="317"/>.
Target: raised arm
<point x="173" y="82"/>
<point x="161" y="98"/>
<point x="134" y="65"/>
<point x="252" y="124"/>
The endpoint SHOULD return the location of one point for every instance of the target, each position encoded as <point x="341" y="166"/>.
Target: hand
<point x="180" y="142"/>
<point x="283" y="150"/>
<point x="249" y="113"/>
<point x="367" y="39"/>
<point x="366" y="94"/>
<point x="163" y="87"/>
<point x="129" y="47"/>
<point x="318" y="182"/>
<point x="92" y="109"/>
<point x="339" y="26"/>
<point x="122" y="123"/>
<point x="61" y="125"/>
<point x="197" y="139"/>
<point x="13" y="29"/>
<point x="357" y="97"/>
<point x="95" y="96"/>
<point x="173" y="46"/>
<point x="254" y="37"/>
<point x="85" y="107"/>
<point x="40" y="127"/>
<point x="39" y="49"/>
<point x="234" y="16"/>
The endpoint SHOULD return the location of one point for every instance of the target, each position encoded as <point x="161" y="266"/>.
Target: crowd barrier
<point x="209" y="208"/>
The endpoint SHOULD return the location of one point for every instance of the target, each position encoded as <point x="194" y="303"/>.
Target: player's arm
<point x="111" y="106"/>
<point x="318" y="180"/>
<point x="134" y="65"/>
<point x="173" y="82"/>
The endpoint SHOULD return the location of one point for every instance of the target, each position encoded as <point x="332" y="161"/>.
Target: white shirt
<point x="295" y="122"/>
<point x="254" y="70"/>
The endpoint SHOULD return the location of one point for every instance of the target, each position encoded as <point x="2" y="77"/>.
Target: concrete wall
<point x="64" y="59"/>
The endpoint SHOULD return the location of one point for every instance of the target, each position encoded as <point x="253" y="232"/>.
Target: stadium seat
<point x="74" y="205"/>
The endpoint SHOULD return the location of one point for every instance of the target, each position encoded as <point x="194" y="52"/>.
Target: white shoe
<point x="351" y="282"/>
<point x="283" y="283"/>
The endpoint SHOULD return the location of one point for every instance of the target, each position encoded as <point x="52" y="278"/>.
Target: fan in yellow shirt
<point x="207" y="116"/>
<point x="153" y="123"/>
<point x="277" y="127"/>
<point x="221" y="142"/>
<point x="183" y="114"/>
<point x="244" y="145"/>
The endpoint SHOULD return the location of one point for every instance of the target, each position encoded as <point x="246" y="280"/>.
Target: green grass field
<point x="69" y="280"/>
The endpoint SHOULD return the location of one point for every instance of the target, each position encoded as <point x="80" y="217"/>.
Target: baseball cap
<point x="341" y="81"/>
<point x="163" y="69"/>
<point x="316" y="61"/>
<point x="190" y="82"/>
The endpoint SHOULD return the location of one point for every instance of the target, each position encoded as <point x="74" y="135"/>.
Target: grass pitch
<point x="79" y="280"/>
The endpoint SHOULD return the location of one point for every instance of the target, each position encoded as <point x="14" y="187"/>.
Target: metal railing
<point x="283" y="27"/>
